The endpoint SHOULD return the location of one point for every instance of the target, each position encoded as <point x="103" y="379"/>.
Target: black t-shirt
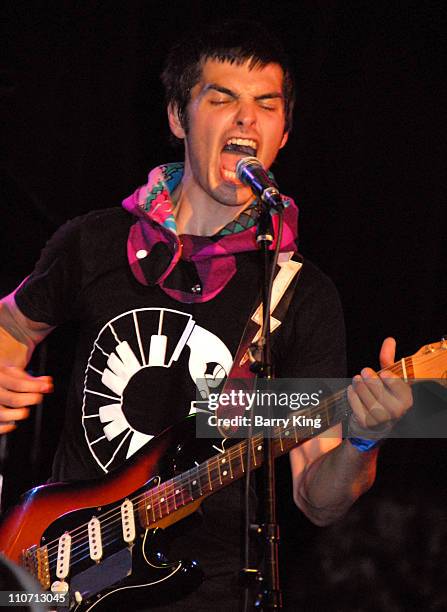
<point x="139" y="352"/>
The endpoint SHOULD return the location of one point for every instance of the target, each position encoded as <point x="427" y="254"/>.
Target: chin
<point x="233" y="195"/>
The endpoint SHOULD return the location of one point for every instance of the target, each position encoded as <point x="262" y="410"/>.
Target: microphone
<point x="251" y="172"/>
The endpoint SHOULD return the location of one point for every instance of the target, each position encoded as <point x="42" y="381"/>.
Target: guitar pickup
<point x="104" y="574"/>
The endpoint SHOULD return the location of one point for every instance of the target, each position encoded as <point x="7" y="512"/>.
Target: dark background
<point x="85" y="121"/>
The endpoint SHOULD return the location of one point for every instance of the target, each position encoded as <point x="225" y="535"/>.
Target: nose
<point x="246" y="115"/>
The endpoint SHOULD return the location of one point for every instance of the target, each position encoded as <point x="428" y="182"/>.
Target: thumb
<point x="387" y="352"/>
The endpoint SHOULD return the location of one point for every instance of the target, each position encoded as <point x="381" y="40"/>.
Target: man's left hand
<point x="379" y="400"/>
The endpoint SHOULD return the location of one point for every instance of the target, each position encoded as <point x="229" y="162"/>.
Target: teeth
<point x="244" y="142"/>
<point x="228" y="174"/>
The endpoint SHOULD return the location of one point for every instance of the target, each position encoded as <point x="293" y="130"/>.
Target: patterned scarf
<point x="190" y="269"/>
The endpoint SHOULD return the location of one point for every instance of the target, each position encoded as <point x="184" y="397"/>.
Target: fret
<point x="341" y="410"/>
<point x="278" y="444"/>
<point x="146" y="519"/>
<point x="325" y="421"/>
<point x="209" y="475"/>
<point x="225" y="465"/>
<point x="235" y="461"/>
<point x="196" y="488"/>
<point x="203" y="477"/>
<point x="150" y="505"/>
<point x="259" y="446"/>
<point x="346" y="408"/>
<point x="178" y="492"/>
<point x="338" y="411"/>
<point x="253" y="452"/>
<point x="326" y="407"/>
<point x="163" y="500"/>
<point x="182" y="489"/>
<point x="170" y="497"/>
<point x="230" y="464"/>
<point x="334" y="415"/>
<point x="219" y="470"/>
<point x="295" y="433"/>
<point x="242" y="458"/>
<point x="186" y="488"/>
<point x="156" y="502"/>
<point x="289" y="441"/>
<point x="214" y="472"/>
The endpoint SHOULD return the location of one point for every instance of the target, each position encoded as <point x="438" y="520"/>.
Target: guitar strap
<point x="284" y="284"/>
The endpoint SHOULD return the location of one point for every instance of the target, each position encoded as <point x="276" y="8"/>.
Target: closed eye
<point x="218" y="101"/>
<point x="268" y="106"/>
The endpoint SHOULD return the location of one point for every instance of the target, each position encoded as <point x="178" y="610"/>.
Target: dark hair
<point x="232" y="41"/>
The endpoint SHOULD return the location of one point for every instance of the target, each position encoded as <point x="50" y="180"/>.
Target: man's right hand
<point x="18" y="390"/>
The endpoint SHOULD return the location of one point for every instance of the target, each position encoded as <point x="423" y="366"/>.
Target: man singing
<point x="163" y="287"/>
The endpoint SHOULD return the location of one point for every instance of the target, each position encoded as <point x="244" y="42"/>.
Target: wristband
<point x="355" y="430"/>
<point x="363" y="445"/>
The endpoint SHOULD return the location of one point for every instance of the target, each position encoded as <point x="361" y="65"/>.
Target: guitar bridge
<point x="35" y="561"/>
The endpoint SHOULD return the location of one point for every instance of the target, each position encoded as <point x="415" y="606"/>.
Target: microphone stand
<point x="271" y="597"/>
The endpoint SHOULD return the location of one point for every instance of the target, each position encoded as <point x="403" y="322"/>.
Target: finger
<point x="385" y="405"/>
<point x="16" y="379"/>
<point x="7" y="427"/>
<point x="374" y="384"/>
<point x="371" y="397"/>
<point x="13" y="399"/>
<point x="13" y="414"/>
<point x="387" y="352"/>
<point x="19" y="372"/>
<point x="362" y="415"/>
<point x="359" y="383"/>
<point x="399" y="390"/>
<point x="25" y="385"/>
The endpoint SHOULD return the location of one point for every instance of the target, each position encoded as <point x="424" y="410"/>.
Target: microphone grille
<point x="244" y="163"/>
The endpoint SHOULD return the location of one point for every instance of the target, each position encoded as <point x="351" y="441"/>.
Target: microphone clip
<point x="264" y="227"/>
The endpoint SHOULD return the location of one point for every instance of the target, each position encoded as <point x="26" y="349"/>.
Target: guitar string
<point x="213" y="464"/>
<point x="184" y="479"/>
<point x="106" y="528"/>
<point x="154" y="495"/>
<point x="152" y="491"/>
<point x="259" y="436"/>
<point x="331" y="401"/>
<point x="82" y="551"/>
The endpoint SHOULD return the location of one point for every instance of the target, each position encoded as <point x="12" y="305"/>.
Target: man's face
<point x="234" y="112"/>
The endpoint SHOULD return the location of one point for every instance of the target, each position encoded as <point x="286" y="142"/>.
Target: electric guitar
<point x="98" y="540"/>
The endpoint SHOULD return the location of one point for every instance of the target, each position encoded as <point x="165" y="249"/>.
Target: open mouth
<point x="234" y="150"/>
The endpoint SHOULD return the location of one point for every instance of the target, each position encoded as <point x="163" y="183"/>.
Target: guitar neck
<point x="162" y="504"/>
<point x="230" y="465"/>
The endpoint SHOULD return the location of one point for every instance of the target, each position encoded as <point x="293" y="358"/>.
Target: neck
<point x="198" y="214"/>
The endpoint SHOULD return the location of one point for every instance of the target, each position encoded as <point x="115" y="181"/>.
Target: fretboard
<point x="230" y="465"/>
<point x="167" y="499"/>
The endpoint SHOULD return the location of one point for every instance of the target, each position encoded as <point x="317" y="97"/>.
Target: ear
<point x="174" y="122"/>
<point x="285" y="138"/>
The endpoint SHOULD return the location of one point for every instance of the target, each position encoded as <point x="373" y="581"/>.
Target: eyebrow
<point x="232" y="94"/>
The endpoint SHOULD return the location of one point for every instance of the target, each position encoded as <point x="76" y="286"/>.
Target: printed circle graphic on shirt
<point x="141" y="362"/>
